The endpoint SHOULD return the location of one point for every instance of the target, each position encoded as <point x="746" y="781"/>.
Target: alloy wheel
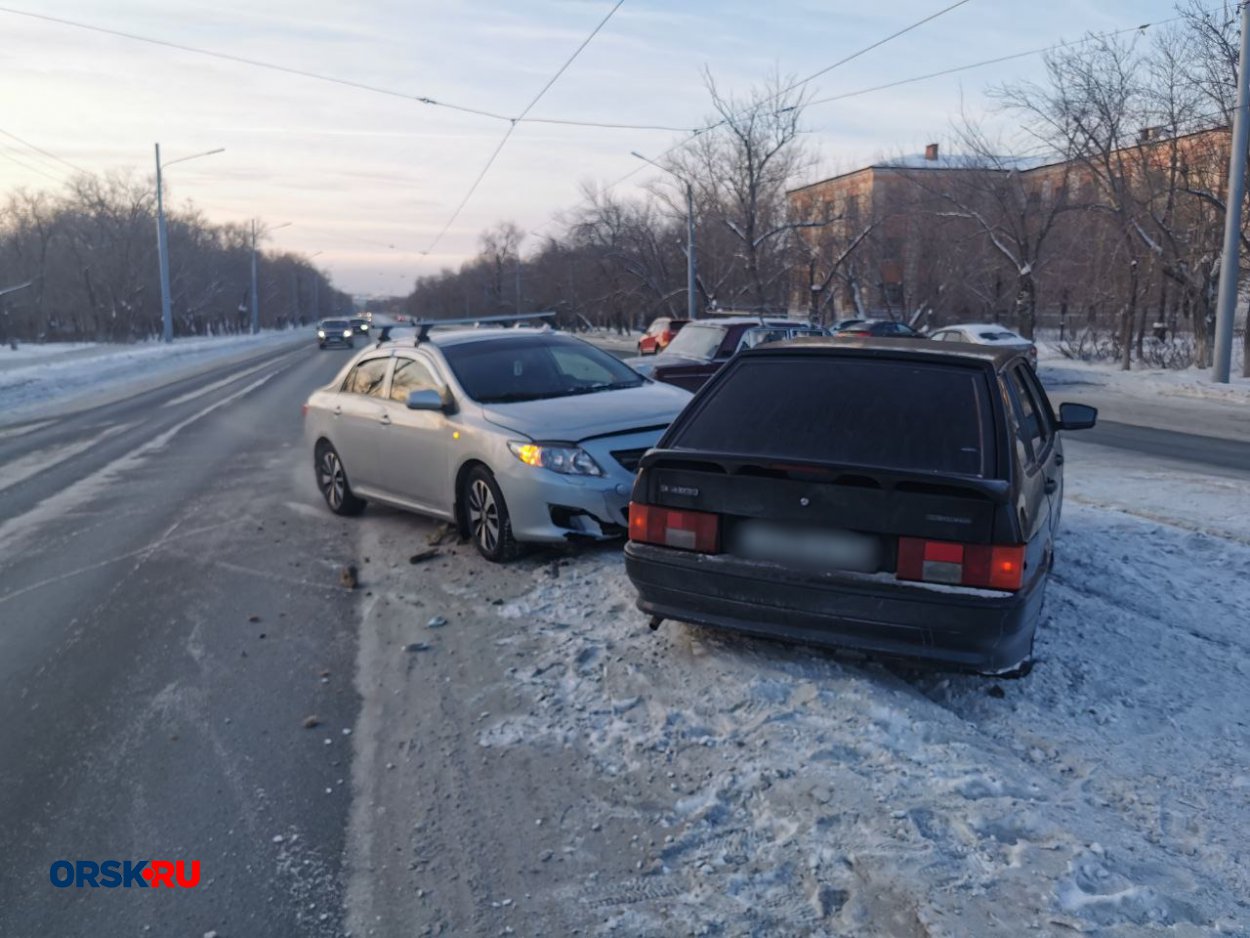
<point x="483" y="515"/>
<point x="332" y="479"/>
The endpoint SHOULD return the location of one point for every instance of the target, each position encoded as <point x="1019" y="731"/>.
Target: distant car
<point x="336" y="332"/>
<point x="845" y="324"/>
<point x="659" y="334"/>
<point x="361" y="326"/>
<point x="919" y="522"/>
<point x="702" y="347"/>
<point x="877" y="329"/>
<point x="516" y="435"/>
<point x="986" y="334"/>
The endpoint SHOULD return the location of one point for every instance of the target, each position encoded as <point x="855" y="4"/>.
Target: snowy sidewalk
<point x="42" y="380"/>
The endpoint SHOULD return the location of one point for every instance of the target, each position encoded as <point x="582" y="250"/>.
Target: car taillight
<point x="303" y="410"/>
<point x="988" y="566"/>
<point x="686" y="530"/>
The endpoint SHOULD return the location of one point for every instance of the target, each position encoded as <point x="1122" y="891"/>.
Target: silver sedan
<point x="516" y="435"/>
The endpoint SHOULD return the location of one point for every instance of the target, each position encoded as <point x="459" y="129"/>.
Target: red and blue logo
<point x="125" y="874"/>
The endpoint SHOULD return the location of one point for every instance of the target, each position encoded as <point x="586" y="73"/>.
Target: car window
<point x="367" y="377"/>
<point x="657" y="327"/>
<point x="1030" y="429"/>
<point x="1041" y="402"/>
<point x="999" y="336"/>
<point x="880" y="413"/>
<point x="411" y="375"/>
<point x="754" y="337"/>
<point x="502" y="370"/>
<point x="697" y="340"/>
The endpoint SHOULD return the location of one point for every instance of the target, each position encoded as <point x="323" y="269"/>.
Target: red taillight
<point x="988" y="566"/>
<point x="670" y="527"/>
<point x="303" y="410"/>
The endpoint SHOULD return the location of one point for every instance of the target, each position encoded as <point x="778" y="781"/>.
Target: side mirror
<point x="1077" y="416"/>
<point x="426" y="399"/>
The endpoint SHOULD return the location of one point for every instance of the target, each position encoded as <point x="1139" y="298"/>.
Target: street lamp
<point x="255" y="290"/>
<point x="692" y="304"/>
<point x="162" y="240"/>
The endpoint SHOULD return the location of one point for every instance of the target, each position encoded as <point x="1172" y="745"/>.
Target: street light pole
<point x="1226" y="311"/>
<point x="162" y="255"/>
<point x="692" y="266"/>
<point x="255" y="288"/>
<point x="162" y="240"/>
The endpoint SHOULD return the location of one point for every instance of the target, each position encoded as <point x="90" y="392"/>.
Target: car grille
<point x="629" y="458"/>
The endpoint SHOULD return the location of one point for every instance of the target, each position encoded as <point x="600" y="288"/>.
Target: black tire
<point x="486" y="517"/>
<point x="332" y="482"/>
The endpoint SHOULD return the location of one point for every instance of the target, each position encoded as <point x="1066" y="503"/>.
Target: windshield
<point x="502" y="370"/>
<point x="335" y="324"/>
<point x="697" y="341"/>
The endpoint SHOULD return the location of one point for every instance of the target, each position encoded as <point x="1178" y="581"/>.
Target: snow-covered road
<point x="613" y="780"/>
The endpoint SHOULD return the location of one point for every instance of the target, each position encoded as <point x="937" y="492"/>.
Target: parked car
<point x="986" y="334"/>
<point x="877" y="329"/>
<point x="516" y="435"/>
<point x="844" y="324"/>
<point x="361" y="326"/>
<point x="918" y="521"/>
<point x="702" y="347"/>
<point x="659" y="334"/>
<point x="335" y="332"/>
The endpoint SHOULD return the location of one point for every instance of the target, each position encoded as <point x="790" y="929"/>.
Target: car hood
<point x="580" y="416"/>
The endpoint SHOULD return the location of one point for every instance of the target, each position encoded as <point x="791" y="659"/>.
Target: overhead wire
<point x="332" y="79"/>
<point x="804" y="81"/>
<point x="513" y="125"/>
<point x="52" y="156"/>
<point x="29" y="167"/>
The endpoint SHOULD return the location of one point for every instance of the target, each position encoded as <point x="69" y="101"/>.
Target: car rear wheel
<point x="332" y="481"/>
<point x="486" y="517"/>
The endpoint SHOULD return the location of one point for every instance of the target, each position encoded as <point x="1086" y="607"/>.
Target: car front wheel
<point x="486" y="517"/>
<point x="332" y="481"/>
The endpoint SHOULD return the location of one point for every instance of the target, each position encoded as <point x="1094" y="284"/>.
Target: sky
<point x="368" y="180"/>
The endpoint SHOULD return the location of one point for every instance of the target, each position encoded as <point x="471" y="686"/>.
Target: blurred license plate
<point x="813" y="548"/>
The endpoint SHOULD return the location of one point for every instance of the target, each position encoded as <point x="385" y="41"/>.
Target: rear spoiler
<point x="732" y="464"/>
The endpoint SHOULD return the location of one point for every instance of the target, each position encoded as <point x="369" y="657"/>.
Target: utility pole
<point x="1230" y="268"/>
<point x="255" y="300"/>
<point x="692" y="293"/>
<point x="162" y="240"/>
<point x="692" y="267"/>
<point x="294" y="295"/>
<point x="162" y="255"/>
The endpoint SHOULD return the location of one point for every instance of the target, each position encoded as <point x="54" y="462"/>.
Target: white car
<point x="515" y="435"/>
<point x="985" y="334"/>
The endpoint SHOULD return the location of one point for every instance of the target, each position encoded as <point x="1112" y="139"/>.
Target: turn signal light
<point x="669" y="527"/>
<point x="988" y="566"/>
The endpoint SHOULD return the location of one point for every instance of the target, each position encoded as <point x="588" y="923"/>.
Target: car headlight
<point x="566" y="460"/>
<point x="347" y="333"/>
<point x="321" y="333"/>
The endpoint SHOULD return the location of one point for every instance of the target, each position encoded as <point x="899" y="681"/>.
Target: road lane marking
<point x="62" y="502"/>
<point x="29" y="428"/>
<point x="21" y="469"/>
<point x="208" y="389"/>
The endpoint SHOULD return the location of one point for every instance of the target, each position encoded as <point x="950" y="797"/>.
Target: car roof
<point x="997" y="355"/>
<point x="752" y="321"/>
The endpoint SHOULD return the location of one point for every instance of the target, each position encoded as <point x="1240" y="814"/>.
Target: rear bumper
<point x="977" y="630"/>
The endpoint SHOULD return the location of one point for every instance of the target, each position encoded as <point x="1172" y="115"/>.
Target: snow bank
<point x="37" y="375"/>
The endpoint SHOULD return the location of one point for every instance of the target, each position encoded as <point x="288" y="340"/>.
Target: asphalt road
<point x="170" y="614"/>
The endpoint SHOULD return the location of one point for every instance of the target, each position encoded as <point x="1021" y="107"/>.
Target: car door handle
<point x="385" y="420"/>
<point x="338" y="410"/>
<point x="1052" y="486"/>
<point x="1059" y="460"/>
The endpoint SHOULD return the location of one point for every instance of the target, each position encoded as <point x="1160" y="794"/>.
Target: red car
<point x="659" y="334"/>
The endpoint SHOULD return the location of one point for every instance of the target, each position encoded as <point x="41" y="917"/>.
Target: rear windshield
<point x="872" y="413"/>
<point x="699" y="341"/>
<point x="999" y="336"/>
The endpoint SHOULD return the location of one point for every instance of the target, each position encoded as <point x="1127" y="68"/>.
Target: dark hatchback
<point x="893" y="497"/>
<point x="335" y="332"/>
<point x="702" y="348"/>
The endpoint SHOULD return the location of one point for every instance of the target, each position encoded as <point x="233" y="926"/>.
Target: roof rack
<point x="424" y="326"/>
